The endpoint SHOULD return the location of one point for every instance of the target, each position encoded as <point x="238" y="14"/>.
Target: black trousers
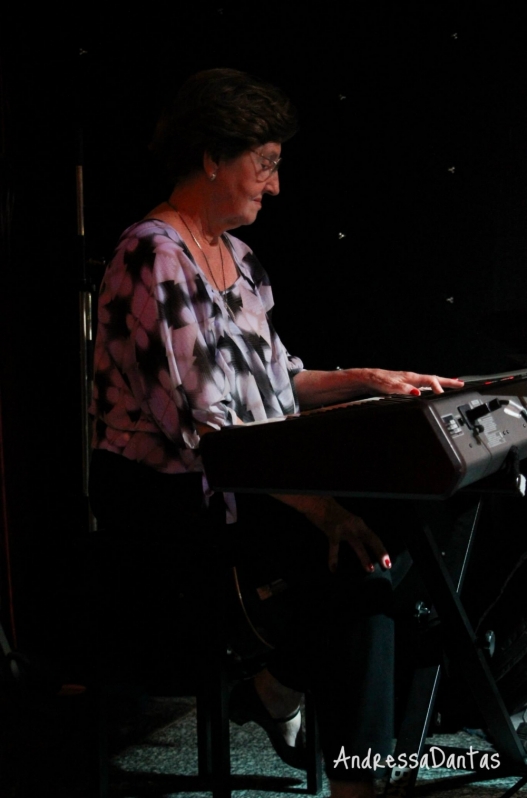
<point x="332" y="633"/>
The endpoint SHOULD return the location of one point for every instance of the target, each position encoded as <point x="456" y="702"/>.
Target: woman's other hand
<point x="341" y="526"/>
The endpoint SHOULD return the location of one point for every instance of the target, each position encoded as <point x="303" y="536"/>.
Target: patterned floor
<point x="147" y="766"/>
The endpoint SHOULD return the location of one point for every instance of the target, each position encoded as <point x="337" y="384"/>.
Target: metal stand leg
<point x="444" y="573"/>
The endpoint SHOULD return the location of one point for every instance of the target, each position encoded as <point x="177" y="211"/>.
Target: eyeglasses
<point x="267" y="166"/>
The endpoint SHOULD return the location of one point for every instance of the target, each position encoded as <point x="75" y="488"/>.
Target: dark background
<point x="399" y="238"/>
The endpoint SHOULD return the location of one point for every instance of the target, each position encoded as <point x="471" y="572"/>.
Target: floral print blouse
<point x="171" y="350"/>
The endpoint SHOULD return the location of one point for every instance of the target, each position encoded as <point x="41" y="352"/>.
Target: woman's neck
<point x="192" y="206"/>
<point x="188" y="213"/>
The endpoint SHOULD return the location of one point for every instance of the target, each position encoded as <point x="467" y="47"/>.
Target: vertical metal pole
<point x="85" y="321"/>
<point x="85" y="337"/>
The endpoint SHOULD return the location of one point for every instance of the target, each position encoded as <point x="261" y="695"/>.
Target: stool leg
<point x="314" y="757"/>
<point x="221" y="755"/>
<point x="98" y="773"/>
<point x="204" y="721"/>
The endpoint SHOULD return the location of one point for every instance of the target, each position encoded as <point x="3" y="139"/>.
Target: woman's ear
<point x="210" y="166"/>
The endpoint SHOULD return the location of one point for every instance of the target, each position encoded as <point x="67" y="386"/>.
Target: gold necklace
<point x="203" y="251"/>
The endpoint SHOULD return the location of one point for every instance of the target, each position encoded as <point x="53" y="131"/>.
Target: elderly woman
<point x="186" y="346"/>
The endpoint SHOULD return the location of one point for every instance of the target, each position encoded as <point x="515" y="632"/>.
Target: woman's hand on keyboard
<point x="403" y="382"/>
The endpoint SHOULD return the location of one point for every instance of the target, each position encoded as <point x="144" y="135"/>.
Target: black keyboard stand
<point x="444" y="572"/>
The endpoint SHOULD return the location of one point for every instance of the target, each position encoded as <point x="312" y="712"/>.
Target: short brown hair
<point x="223" y="112"/>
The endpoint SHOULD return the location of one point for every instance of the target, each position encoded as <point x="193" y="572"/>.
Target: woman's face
<point x="241" y="183"/>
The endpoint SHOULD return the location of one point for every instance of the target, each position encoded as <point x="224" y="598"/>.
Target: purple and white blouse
<point x="171" y="350"/>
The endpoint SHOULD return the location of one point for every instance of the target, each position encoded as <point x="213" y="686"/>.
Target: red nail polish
<point x="387" y="562"/>
<point x="371" y="567"/>
<point x="415" y="392"/>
